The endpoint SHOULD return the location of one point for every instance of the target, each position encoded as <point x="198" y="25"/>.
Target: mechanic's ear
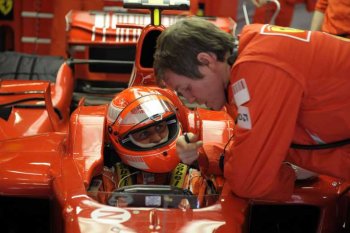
<point x="206" y="58"/>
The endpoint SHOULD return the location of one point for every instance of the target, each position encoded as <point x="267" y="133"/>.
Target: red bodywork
<point x="115" y="31"/>
<point x="36" y="106"/>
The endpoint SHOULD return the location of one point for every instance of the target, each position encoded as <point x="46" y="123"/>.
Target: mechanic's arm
<point x="254" y="165"/>
<point x="317" y="21"/>
<point x="318" y="15"/>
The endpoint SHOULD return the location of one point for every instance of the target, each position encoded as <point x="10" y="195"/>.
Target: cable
<point x="222" y="156"/>
<point x="122" y="179"/>
<point x="321" y="146"/>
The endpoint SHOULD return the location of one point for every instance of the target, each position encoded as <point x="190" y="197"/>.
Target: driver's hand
<point x="188" y="151"/>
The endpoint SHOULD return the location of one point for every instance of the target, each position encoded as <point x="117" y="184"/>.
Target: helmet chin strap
<point x="149" y="145"/>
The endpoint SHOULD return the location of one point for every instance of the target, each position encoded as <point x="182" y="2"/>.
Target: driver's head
<point x="143" y="127"/>
<point x="151" y="136"/>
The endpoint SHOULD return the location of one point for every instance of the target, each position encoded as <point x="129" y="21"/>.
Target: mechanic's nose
<point x="190" y="98"/>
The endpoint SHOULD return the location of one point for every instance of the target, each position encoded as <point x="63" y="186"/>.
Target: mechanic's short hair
<point x="178" y="46"/>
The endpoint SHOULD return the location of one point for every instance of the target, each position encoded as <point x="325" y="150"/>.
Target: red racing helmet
<point x="143" y="127"/>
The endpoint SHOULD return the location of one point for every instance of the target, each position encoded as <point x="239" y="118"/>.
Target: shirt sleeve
<point x="254" y="165"/>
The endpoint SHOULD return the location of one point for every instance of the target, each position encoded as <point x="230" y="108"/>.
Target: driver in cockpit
<point x="142" y="128"/>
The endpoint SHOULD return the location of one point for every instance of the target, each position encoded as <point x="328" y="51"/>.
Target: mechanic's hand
<point x="188" y="151"/>
<point x="259" y="3"/>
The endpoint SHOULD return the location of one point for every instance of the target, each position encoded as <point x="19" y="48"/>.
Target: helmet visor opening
<point x="152" y="136"/>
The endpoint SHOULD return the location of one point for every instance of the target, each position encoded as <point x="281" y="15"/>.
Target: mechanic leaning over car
<point x="288" y="89"/>
<point x="142" y="127"/>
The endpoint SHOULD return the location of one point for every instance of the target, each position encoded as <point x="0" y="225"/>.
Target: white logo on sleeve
<point x="243" y="118"/>
<point x="240" y="92"/>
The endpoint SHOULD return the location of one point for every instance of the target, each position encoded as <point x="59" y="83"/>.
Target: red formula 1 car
<point x="60" y="167"/>
<point x="46" y="180"/>
<point x="56" y="170"/>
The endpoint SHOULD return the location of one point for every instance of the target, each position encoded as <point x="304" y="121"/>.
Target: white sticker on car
<point x="153" y="200"/>
<point x="110" y="215"/>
